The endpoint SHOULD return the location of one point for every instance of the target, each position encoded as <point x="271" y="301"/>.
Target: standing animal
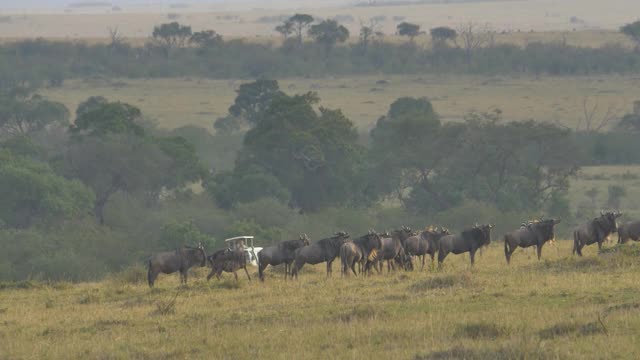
<point x="595" y="231"/>
<point x="529" y="234"/>
<point x="469" y="240"/>
<point x="362" y="250"/>
<point x="181" y="260"/>
<point x="425" y="243"/>
<point x="282" y="253"/>
<point x="630" y="230"/>
<point x="228" y="260"/>
<point x="392" y="251"/>
<point x="325" y="250"/>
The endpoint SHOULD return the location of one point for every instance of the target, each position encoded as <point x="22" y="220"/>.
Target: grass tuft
<point x="442" y="282"/>
<point x="132" y="275"/>
<point x="166" y="307"/>
<point x="23" y="285"/>
<point x="481" y="330"/>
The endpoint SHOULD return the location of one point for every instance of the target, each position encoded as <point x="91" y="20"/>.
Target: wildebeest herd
<point x="397" y="248"/>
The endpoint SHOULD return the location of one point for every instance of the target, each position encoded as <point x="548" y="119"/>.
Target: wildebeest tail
<point x="149" y="276"/>
<point x="575" y="241"/>
<point x="260" y="269"/>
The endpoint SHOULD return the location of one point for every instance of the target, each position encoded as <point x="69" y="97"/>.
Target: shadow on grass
<point x="442" y="282"/>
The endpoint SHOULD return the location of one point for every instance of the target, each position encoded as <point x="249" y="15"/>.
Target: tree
<point x="440" y="35"/>
<point x="369" y="31"/>
<point x="99" y="118"/>
<point x="328" y="33"/>
<point x="31" y="191"/>
<point x="206" y="39"/>
<point x="408" y="29"/>
<point x="92" y="103"/>
<point x="24" y="113"/>
<point x="631" y="122"/>
<point x="171" y="35"/>
<point x="299" y="23"/>
<point x="285" y="29"/>
<point x="313" y="155"/>
<point x="632" y="30"/>
<point x="253" y="99"/>
<point x="474" y="36"/>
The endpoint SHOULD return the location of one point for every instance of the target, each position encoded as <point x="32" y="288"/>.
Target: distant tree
<point x="97" y="118"/>
<point x="300" y="23"/>
<point x="632" y="30"/>
<point x="285" y="29"/>
<point x="92" y="103"/>
<point x="474" y="36"/>
<point x="630" y="122"/>
<point x="23" y="113"/>
<point x="32" y="192"/>
<point x="440" y="35"/>
<point x="328" y="33"/>
<point x="253" y="99"/>
<point x="408" y="29"/>
<point x="616" y="192"/>
<point x="171" y="35"/>
<point x="116" y="41"/>
<point x="369" y="31"/>
<point x="227" y="124"/>
<point x="206" y="39"/>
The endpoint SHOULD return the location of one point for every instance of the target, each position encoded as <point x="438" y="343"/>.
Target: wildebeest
<point x="391" y="251"/>
<point x="469" y="240"/>
<point x="181" y="260"/>
<point x="227" y="260"/>
<point x="595" y="231"/>
<point x="425" y="243"/>
<point x="630" y="230"/>
<point x="325" y="250"/>
<point x="282" y="253"/>
<point x="360" y="250"/>
<point x="529" y="234"/>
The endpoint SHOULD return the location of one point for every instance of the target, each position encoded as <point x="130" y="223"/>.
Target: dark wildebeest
<point x="630" y="230"/>
<point x="425" y="243"/>
<point x="391" y="251"/>
<point x="529" y="234"/>
<point x="178" y="260"/>
<point x="282" y="253"/>
<point x="595" y="231"/>
<point x="362" y="250"/>
<point x="228" y="260"/>
<point x="325" y="250"/>
<point x="469" y="240"/>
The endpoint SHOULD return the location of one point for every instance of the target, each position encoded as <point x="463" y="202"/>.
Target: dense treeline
<point x="21" y="62"/>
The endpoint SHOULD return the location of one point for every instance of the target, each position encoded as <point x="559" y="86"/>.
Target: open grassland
<point x="558" y="308"/>
<point x="178" y="102"/>
<point x="258" y="19"/>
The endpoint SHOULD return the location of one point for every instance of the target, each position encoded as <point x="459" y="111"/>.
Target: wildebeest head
<point x="199" y="254"/>
<point x="607" y="221"/>
<point x="483" y="233"/>
<point x="305" y="239"/>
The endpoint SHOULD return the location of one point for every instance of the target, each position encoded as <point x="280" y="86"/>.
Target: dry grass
<point x="177" y="102"/>
<point x="494" y="311"/>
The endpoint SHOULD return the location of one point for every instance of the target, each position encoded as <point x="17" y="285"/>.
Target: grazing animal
<point x="391" y="251"/>
<point x="529" y="234"/>
<point x="469" y="240"/>
<point x="595" y="231"/>
<point x="325" y="250"/>
<point x="282" y="253"/>
<point x="181" y="260"/>
<point x="630" y="230"/>
<point x="228" y="260"/>
<point x="362" y="250"/>
<point x="425" y="243"/>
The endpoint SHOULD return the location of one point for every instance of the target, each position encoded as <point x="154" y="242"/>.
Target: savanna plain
<point x="559" y="307"/>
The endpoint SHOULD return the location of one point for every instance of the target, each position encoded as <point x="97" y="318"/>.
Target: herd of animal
<point x="397" y="248"/>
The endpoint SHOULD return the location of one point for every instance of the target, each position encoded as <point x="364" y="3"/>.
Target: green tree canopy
<point x="632" y="30"/>
<point x="253" y="99"/>
<point x="172" y="35"/>
<point x="206" y="39"/>
<point x="408" y="29"/>
<point x="299" y="23"/>
<point x="98" y="118"/>
<point x="23" y="113"/>
<point x="32" y="192"/>
<point x="440" y="35"/>
<point x="328" y="33"/>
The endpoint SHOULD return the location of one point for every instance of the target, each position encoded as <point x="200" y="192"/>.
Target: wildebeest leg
<point x="235" y="274"/>
<point x="183" y="277"/>
<point x="353" y="268"/>
<point x="423" y="256"/>
<point x="539" y="251"/>
<point x="441" y="256"/>
<point x="472" y="255"/>
<point x="329" y="269"/>
<point x="599" y="245"/>
<point x="151" y="276"/>
<point x="246" y="272"/>
<point x="211" y="273"/>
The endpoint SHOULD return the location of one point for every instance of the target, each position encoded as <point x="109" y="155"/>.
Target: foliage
<point x="329" y="33"/>
<point x="299" y="23"/>
<point x="253" y="99"/>
<point x="632" y="30"/>
<point x="206" y="39"/>
<point x="24" y="113"/>
<point x="98" y="118"/>
<point x="172" y="35"/>
<point x="440" y="35"/>
<point x="408" y="29"/>
<point x="175" y="234"/>
<point x="32" y="192"/>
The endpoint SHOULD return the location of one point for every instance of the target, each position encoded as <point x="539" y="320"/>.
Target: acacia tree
<point x="171" y="35"/>
<point x="298" y="23"/>
<point x="440" y="35"/>
<point x="369" y="32"/>
<point x="408" y="29"/>
<point x="285" y="29"/>
<point x="632" y="30"/>
<point x="206" y="39"/>
<point x="328" y="33"/>
<point x="23" y="113"/>
<point x="474" y="36"/>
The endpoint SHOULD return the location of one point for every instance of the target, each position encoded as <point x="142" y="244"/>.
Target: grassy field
<point x="558" y="308"/>
<point x="177" y="102"/>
